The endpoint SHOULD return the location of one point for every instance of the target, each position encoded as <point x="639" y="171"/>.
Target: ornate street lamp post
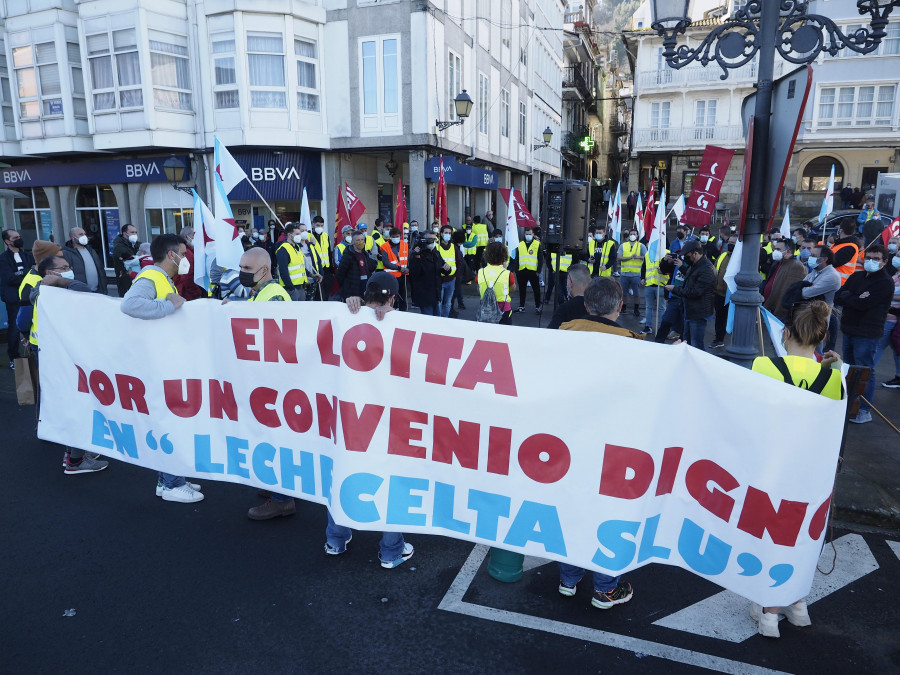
<point x="764" y="27"/>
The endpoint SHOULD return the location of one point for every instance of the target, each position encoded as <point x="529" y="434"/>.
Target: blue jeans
<point x="169" y="480"/>
<point x="447" y="290"/>
<point x="391" y="544"/>
<point x="631" y="285"/>
<point x="651" y="293"/>
<point x="860" y="351"/>
<point x="431" y="310"/>
<point x="885" y="343"/>
<point x="570" y="575"/>
<point x="696" y="332"/>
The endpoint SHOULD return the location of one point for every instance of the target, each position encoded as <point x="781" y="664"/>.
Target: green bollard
<point x="505" y="565"/>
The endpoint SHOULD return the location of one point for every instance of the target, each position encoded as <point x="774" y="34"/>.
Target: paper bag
<point x="24" y="383"/>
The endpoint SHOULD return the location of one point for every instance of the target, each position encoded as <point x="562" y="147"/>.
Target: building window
<point x="504" y="113"/>
<point x="522" y="121"/>
<point x="79" y="105"/>
<point x="659" y="120"/>
<point x="116" y="84"/>
<point x="265" y="56"/>
<point x="98" y="214"/>
<point x="307" y="54"/>
<point x="9" y="120"/>
<point x="818" y="171"/>
<point x="861" y="106"/>
<point x="663" y="72"/>
<point x="484" y="95"/>
<point x="454" y="82"/>
<point x="165" y="212"/>
<point x="705" y="119"/>
<point x="224" y="71"/>
<point x="523" y="56"/>
<point x="37" y="81"/>
<point x="889" y="46"/>
<point x="506" y="22"/>
<point x="170" y="71"/>
<point x="380" y="77"/>
<point x="33" y="216"/>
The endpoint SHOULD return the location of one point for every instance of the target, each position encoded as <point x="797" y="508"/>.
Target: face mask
<point x="777" y="256"/>
<point x="431" y="246"/>
<point x="68" y="274"/>
<point x="16" y="243"/>
<point x="348" y="239"/>
<point x="632" y="237"/>
<point x="704" y="238"/>
<point x="132" y="238"/>
<point x="872" y="266"/>
<point x="256" y="235"/>
<point x="414" y="228"/>
<point x="598" y="237"/>
<point x="680" y="235"/>
<point x="435" y="230"/>
<point x="83" y="240"/>
<point x="812" y="262"/>
<point x="895" y="261"/>
<point x="247" y="279"/>
<point x="298" y="238"/>
<point x="395" y="240"/>
<point x="892" y="248"/>
<point x="499" y="240"/>
<point x="794" y="239"/>
<point x="360" y="245"/>
<point x="184" y="265"/>
<point x="804" y="254"/>
<point x="528" y="238"/>
<point x="319" y="230"/>
<point x="445" y="237"/>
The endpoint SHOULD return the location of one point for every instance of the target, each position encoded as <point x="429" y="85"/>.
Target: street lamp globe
<point x="463" y="104"/>
<point x="670" y="13"/>
<point x="174" y="169"/>
<point x="548" y="135"/>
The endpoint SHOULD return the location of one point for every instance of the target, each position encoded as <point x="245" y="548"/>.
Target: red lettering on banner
<point x="401" y="433"/>
<point x="222" y="401"/>
<point x="474" y="370"/>
<point x="617" y="461"/>
<point x="82" y="381"/>
<point x="697" y="480"/>
<point x="280" y="341"/>
<point x="668" y="470"/>
<point x="499" y="444"/>
<point x="401" y="352"/>
<point x="325" y="340"/>
<point x="186" y="405"/>
<point x="439" y="349"/>
<point x="131" y="393"/>
<point x="365" y="359"/>
<point x="243" y="340"/>
<point x="820" y="517"/>
<point x="298" y="412"/>
<point x="359" y="429"/>
<point x="102" y="387"/>
<point x="462" y="444"/>
<point x="262" y="405"/>
<point x="327" y="414"/>
<point x="758" y="515"/>
<point x="548" y="470"/>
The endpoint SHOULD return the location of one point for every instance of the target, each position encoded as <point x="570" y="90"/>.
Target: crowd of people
<point x="817" y="287"/>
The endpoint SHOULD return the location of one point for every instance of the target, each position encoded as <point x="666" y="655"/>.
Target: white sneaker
<point x="183" y="493"/>
<point x="768" y="623"/>
<point x="159" y="487"/>
<point x="797" y="614"/>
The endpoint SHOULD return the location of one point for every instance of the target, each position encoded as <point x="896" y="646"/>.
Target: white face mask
<point x="777" y="255"/>
<point x="528" y="238"/>
<point x="83" y="240"/>
<point x="395" y="240"/>
<point x="68" y="274"/>
<point x="499" y="240"/>
<point x="348" y="238"/>
<point x="895" y="261"/>
<point x="598" y="236"/>
<point x="632" y="237"/>
<point x="445" y="237"/>
<point x="704" y="238"/>
<point x="132" y="238"/>
<point x="184" y="265"/>
<point x="320" y="230"/>
<point x="435" y="229"/>
<point x="871" y="266"/>
<point x="431" y="246"/>
<point x="414" y="228"/>
<point x="256" y="235"/>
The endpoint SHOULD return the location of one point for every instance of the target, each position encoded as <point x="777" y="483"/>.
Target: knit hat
<point x="44" y="249"/>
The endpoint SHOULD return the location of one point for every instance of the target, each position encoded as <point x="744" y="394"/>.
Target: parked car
<point x="835" y="218"/>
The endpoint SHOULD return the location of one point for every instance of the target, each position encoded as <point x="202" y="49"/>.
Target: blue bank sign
<point x="140" y="170"/>
<point x="460" y="174"/>
<point x="279" y="176"/>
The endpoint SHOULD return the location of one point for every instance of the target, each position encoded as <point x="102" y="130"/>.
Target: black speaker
<point x="553" y="211"/>
<point x="578" y="207"/>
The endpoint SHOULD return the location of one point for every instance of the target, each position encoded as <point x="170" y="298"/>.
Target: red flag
<point x="892" y="230"/>
<point x="523" y="215"/>
<point x="650" y="211"/>
<point x="355" y="206"/>
<point x="400" y="215"/>
<point x="440" y="198"/>
<point x="341" y="217"/>
<point x="707" y="185"/>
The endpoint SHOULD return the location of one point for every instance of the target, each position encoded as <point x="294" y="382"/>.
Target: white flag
<point x="828" y="202"/>
<point x="734" y="266"/>
<point x="656" y="247"/>
<point x="775" y="328"/>
<point x="227" y="168"/>
<point x="228" y="240"/>
<point x="512" y="227"/>
<point x="678" y="209"/>
<point x="204" y="241"/>
<point x="639" y="217"/>
<point x="786" y="223"/>
<point x="616" y="223"/>
<point x="304" y="212"/>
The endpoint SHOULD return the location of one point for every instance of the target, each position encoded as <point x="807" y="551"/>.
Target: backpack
<point x="489" y="310"/>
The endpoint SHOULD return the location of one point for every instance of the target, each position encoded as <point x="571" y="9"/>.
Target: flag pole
<point x="656" y="315"/>
<point x="762" y="345"/>
<point x="271" y="210"/>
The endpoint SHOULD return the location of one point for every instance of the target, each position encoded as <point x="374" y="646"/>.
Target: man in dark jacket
<point x="15" y="262"/>
<point x="425" y="272"/>
<point x="578" y="279"/>
<point x="866" y="299"/>
<point x="125" y="246"/>
<point x="356" y="267"/>
<point x="698" y="291"/>
<point x="84" y="261"/>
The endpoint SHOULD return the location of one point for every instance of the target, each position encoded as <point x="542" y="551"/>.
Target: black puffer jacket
<point x="699" y="284"/>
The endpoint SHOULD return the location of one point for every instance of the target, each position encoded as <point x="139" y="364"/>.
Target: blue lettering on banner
<point x="352" y="489"/>
<point x="444" y="498"/>
<point x="108" y="434"/>
<point x="460" y="174"/>
<point x="401" y="499"/>
<point x="539" y="523"/>
<point x="139" y="170"/>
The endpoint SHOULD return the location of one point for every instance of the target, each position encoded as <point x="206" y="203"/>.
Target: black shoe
<point x="460" y="305"/>
<point x="453" y="314"/>
<point x="539" y="309"/>
<point x="715" y="344"/>
<point x="520" y="309"/>
<point x="646" y="330"/>
<point x="620" y="594"/>
<point x="892" y="384"/>
<point x="636" y="312"/>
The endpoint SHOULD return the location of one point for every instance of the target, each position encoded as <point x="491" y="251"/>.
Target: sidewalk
<point x="867" y="490"/>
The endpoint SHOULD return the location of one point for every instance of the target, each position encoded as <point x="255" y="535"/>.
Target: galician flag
<point x="786" y="223"/>
<point x="305" y="218"/>
<point x="828" y="202"/>
<point x="775" y="328"/>
<point x="512" y="227"/>
<point x="616" y="222"/>
<point x="227" y="168"/>
<point x="678" y="209"/>
<point x="731" y="271"/>
<point x="225" y="232"/>
<point x="639" y="217"/>
<point x="204" y="243"/>
<point x="656" y="246"/>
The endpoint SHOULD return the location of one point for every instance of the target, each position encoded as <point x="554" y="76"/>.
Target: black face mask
<point x="680" y="235"/>
<point x="730" y="248"/>
<point x="17" y="242"/>
<point x="247" y="279"/>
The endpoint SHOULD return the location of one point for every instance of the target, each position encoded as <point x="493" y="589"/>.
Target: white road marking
<point x="725" y="616"/>
<point x="895" y="547"/>
<point x="533" y="563"/>
<point x="453" y="602"/>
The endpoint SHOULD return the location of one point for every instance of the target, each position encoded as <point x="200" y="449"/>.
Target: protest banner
<point x="419" y="424"/>
<point x="707" y="185"/>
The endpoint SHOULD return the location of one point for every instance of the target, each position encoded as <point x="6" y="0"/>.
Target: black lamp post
<point x="763" y="27"/>
<point x="175" y="171"/>
<point x="463" y="103"/>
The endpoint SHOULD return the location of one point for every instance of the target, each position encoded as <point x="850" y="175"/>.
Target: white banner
<point x="480" y="432"/>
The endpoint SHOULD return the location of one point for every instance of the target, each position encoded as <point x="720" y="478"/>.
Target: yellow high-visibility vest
<point x="491" y="276"/>
<point x="322" y="243"/>
<point x="449" y="256"/>
<point x="31" y="280"/>
<point x="162" y="283"/>
<point x="653" y="276"/>
<point x="296" y="265"/>
<point x="564" y="262"/>
<point x="630" y="266"/>
<point x="481" y="234"/>
<point x="270" y="291"/>
<point x="528" y="255"/>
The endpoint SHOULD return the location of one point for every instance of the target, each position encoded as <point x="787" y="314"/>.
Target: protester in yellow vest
<point x="529" y="261"/>
<point x="654" y="293"/>
<point x="324" y="251"/>
<point x="602" y="263"/>
<point x="495" y="275"/>
<point x="631" y="260"/>
<point x="153" y="296"/>
<point x="482" y="235"/>
<point x="341" y="246"/>
<point x="291" y="264"/>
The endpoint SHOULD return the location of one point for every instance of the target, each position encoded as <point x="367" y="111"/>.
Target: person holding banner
<point x="291" y="264"/>
<point x="153" y="296"/>
<point x="803" y="332"/>
<point x="322" y="242"/>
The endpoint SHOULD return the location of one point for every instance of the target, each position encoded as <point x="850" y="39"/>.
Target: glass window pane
<point x="22" y="56"/>
<point x="27" y="83"/>
<point x="80" y="107"/>
<point x="105" y="101"/>
<point x="305" y="48"/>
<point x="225" y="71"/>
<point x="52" y="106"/>
<point x="86" y="197"/>
<point x="307" y="102"/>
<point x="29" y="109"/>
<point x="77" y="82"/>
<point x="131" y="98"/>
<point x="265" y="42"/>
<point x="268" y="99"/>
<point x="370" y="94"/>
<point x="223" y="44"/>
<point x="98" y="44"/>
<point x="101" y="72"/>
<point x="391" y="77"/>
<point x="50" y="83"/>
<point x="40" y="199"/>
<point x="73" y="52"/>
<point x="107" y="196"/>
<point x="266" y="70"/>
<point x="46" y="52"/>
<point x="128" y="68"/>
<point x="125" y="39"/>
<point x="227" y="99"/>
<point x="306" y="74"/>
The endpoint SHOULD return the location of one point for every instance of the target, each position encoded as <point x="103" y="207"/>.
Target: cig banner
<point x="419" y="424"/>
<point x="707" y="186"/>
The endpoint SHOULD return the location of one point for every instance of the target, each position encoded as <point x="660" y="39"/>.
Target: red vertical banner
<point x="341" y="217"/>
<point x="650" y="211"/>
<point x="356" y="207"/>
<point x="707" y="186"/>
<point x="523" y="215"/>
<point x="440" y="198"/>
<point x="400" y="216"/>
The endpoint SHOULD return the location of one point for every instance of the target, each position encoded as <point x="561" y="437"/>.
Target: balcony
<point x="687" y="137"/>
<point x="669" y="78"/>
<point x="575" y="87"/>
